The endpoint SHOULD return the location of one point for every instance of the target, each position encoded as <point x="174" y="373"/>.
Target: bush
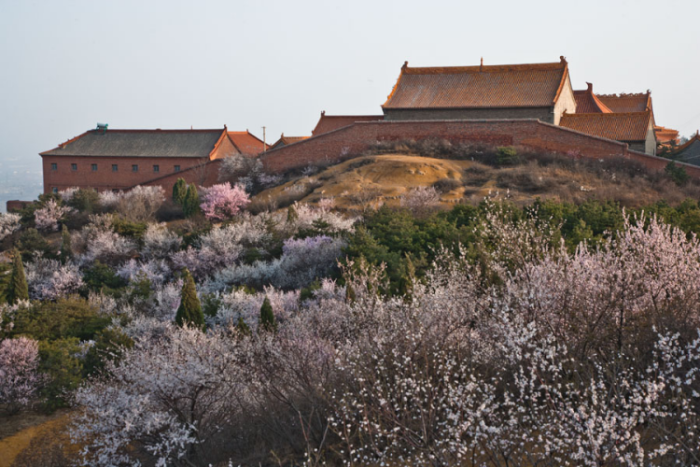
<point x="30" y="242"/>
<point x="445" y="185"/>
<point x="63" y="370"/>
<point x="676" y="173"/>
<point x="84" y="200"/>
<point x="65" y="318"/>
<point x="506" y="156"/>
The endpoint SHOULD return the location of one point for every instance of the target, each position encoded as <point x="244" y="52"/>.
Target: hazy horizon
<point x="156" y="64"/>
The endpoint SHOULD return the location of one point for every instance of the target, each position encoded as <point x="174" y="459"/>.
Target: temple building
<point x="689" y="151"/>
<point x="106" y="159"/>
<point x="287" y="140"/>
<point x="634" y="128"/>
<point x="328" y="123"/>
<point x="535" y="91"/>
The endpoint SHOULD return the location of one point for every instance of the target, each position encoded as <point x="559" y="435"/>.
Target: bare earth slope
<point x="366" y="181"/>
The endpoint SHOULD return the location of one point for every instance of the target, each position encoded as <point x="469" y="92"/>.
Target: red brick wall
<point x="206" y="175"/>
<point x="104" y="179"/>
<point x="346" y="142"/>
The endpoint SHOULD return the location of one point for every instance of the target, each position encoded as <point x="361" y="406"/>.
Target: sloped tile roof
<point x="332" y="122"/>
<point x="690" y="151"/>
<point x="286" y="140"/>
<point x="141" y="143"/>
<point x="500" y="86"/>
<point x="638" y="102"/>
<point x="246" y="142"/>
<point x="666" y="135"/>
<point x="631" y="126"/>
<point x="588" y="103"/>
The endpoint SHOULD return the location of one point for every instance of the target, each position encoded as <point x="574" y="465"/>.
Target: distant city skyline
<point x="177" y="64"/>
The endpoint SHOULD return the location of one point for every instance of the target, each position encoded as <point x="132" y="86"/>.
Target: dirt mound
<point x="369" y="181"/>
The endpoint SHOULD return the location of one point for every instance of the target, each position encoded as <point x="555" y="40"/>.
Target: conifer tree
<point x="190" y="310"/>
<point x="292" y="215"/>
<point x="66" y="251"/>
<point x="242" y="327"/>
<point x="267" y="317"/>
<point x="18" y="288"/>
<point x="179" y="191"/>
<point x="190" y="205"/>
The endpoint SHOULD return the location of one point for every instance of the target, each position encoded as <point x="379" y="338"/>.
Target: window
<point x="114" y="190"/>
<point x="156" y="168"/>
<point x="94" y="167"/>
<point x="135" y="168"/>
<point x="54" y="166"/>
<point x="54" y="190"/>
<point x="74" y="166"/>
<point x="177" y="168"/>
<point x="115" y="167"/>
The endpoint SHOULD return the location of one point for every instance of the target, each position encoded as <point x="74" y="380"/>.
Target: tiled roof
<point x="141" y="143"/>
<point x="666" y="135"/>
<point x="632" y="126"/>
<point x="627" y="102"/>
<point x="500" y="86"/>
<point x="690" y="151"/>
<point x="246" y="142"/>
<point x="588" y="103"/>
<point x="285" y="140"/>
<point x="332" y="122"/>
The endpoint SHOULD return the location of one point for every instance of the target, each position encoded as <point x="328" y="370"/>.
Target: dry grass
<point x="371" y="180"/>
<point x="32" y="438"/>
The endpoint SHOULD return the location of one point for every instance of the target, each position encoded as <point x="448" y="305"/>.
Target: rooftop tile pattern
<point x="499" y="86"/>
<point x="631" y="126"/>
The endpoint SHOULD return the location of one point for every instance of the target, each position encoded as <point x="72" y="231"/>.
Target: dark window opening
<point x="74" y="166"/>
<point x="156" y="168"/>
<point x="94" y="167"/>
<point x="115" y="167"/>
<point x="54" y="166"/>
<point x="177" y="168"/>
<point x="134" y="168"/>
<point x="54" y="190"/>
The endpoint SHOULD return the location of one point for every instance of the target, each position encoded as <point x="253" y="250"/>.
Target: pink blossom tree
<point x="19" y="378"/>
<point x="222" y="201"/>
<point x="48" y="217"/>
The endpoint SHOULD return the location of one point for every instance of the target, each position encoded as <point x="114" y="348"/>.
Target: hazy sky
<point x="66" y="65"/>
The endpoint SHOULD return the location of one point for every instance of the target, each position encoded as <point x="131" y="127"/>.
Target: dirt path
<point x="18" y="431"/>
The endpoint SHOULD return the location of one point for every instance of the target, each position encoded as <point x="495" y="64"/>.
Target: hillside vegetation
<point x="471" y="176"/>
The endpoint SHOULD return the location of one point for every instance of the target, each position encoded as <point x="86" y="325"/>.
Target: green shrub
<point x="30" y="242"/>
<point x="267" y="317"/>
<point x="101" y="277"/>
<point x="109" y="346"/>
<point x="179" y="191"/>
<point x="129" y="228"/>
<point x="506" y="155"/>
<point x="84" y="200"/>
<point x="65" y="318"/>
<point x="677" y="174"/>
<point x="59" y="361"/>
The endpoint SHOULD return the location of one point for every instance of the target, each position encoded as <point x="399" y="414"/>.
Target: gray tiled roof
<point x="140" y="143"/>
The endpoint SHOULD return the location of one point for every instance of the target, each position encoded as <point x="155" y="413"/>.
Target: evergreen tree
<point x="267" y="317"/>
<point x="242" y="327"/>
<point x="18" y="288"/>
<point x="190" y="310"/>
<point x="292" y="215"/>
<point x="179" y="191"/>
<point x="190" y="205"/>
<point x="66" y="251"/>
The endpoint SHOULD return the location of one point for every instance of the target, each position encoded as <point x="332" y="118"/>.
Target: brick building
<point x="542" y="91"/>
<point x="121" y="159"/>
<point x="634" y="128"/>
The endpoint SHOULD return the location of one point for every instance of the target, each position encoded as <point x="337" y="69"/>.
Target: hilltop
<point x="374" y="179"/>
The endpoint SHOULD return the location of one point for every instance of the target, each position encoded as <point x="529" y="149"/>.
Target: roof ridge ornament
<point x="562" y="59"/>
<point x="405" y="65"/>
